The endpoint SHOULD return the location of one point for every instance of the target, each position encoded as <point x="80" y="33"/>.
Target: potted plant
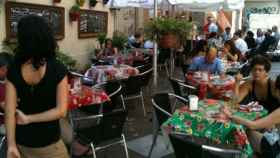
<point x="168" y="32"/>
<point x="80" y="2"/>
<point x="119" y="40"/>
<point x="56" y="1"/>
<point x="93" y="3"/>
<point x="67" y="60"/>
<point x="74" y="12"/>
<point x="101" y="37"/>
<point x="105" y="2"/>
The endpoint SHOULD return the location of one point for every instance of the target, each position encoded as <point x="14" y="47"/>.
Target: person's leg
<point x="66" y="131"/>
<point x="255" y="140"/>
<point x="56" y="150"/>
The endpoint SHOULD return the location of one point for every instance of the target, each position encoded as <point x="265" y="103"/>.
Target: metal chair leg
<point x="153" y="145"/>
<point x="125" y="146"/>
<point x="2" y="141"/>
<point x="123" y="104"/>
<point x="93" y="150"/>
<point x="143" y="105"/>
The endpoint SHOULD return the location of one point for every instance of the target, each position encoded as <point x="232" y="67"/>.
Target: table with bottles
<point x="128" y="56"/>
<point x="86" y="96"/>
<point x="103" y="73"/>
<point x="210" y="124"/>
<point x="219" y="87"/>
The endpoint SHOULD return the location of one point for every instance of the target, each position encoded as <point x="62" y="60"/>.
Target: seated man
<point x="209" y="62"/>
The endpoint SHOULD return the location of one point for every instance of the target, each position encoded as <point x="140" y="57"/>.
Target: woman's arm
<point x="10" y="113"/>
<point x="232" y="57"/>
<point x="53" y="114"/>
<point x="116" y="50"/>
<point x="266" y="122"/>
<point x="241" y="90"/>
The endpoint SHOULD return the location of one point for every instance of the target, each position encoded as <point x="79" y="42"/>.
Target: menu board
<point x="91" y="23"/>
<point x="15" y="11"/>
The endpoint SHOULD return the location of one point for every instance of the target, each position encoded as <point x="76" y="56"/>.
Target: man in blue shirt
<point x="209" y="63"/>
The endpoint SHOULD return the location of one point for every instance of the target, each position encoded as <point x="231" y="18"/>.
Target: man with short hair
<point x="210" y="27"/>
<point x="209" y="62"/>
<point x="226" y="35"/>
<point x="240" y="43"/>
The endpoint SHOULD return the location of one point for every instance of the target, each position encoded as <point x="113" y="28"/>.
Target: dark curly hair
<point x="261" y="60"/>
<point x="233" y="50"/>
<point x="35" y="41"/>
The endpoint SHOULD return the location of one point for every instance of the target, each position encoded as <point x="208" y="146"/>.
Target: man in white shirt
<point x="240" y="43"/>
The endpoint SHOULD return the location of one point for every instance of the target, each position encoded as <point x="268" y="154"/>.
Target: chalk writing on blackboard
<point x="15" y="11"/>
<point x="91" y="23"/>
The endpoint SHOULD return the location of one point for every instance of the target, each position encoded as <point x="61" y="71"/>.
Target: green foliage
<point x="67" y="60"/>
<point x="119" y="40"/>
<point x="92" y="2"/>
<point x="75" y="8"/>
<point x="162" y="26"/>
<point x="101" y="37"/>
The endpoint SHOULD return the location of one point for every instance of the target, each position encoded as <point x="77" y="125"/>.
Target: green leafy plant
<point x="93" y="3"/>
<point x="80" y="2"/>
<point x="67" y="60"/>
<point x="101" y="37"/>
<point x="119" y="40"/>
<point x="74" y="12"/>
<point x="159" y="27"/>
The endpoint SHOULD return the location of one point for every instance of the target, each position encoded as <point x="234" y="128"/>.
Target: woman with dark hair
<point x="260" y="88"/>
<point x="36" y="94"/>
<point x="109" y="50"/>
<point x="250" y="40"/>
<point x="268" y="143"/>
<point x="231" y="52"/>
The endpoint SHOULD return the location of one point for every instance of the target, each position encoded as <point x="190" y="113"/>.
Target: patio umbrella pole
<point x="155" y="49"/>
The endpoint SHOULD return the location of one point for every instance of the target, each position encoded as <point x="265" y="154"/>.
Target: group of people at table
<point x="259" y="87"/>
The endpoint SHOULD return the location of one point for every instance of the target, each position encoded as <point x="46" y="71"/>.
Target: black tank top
<point x="37" y="99"/>
<point x="270" y="103"/>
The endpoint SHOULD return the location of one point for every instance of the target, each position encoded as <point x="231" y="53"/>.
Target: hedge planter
<point x="168" y="41"/>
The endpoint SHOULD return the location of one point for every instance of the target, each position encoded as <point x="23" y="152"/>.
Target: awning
<point x="191" y="5"/>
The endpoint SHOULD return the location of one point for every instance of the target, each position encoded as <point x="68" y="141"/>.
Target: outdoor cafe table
<point x="219" y="88"/>
<point x="203" y="124"/>
<point x="104" y="73"/>
<point x="128" y="57"/>
<point x="86" y="96"/>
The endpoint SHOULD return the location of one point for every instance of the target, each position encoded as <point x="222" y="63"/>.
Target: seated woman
<point x="231" y="52"/>
<point x="260" y="88"/>
<point x="109" y="50"/>
<point x="266" y="143"/>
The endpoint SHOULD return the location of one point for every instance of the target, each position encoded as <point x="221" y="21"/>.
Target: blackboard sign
<point x="91" y="23"/>
<point x="54" y="15"/>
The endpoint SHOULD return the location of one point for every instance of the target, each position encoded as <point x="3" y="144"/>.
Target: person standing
<point x="276" y="35"/>
<point x="226" y="35"/>
<point x="36" y="94"/>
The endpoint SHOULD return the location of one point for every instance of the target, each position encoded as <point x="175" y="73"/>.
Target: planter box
<point x="74" y="16"/>
<point x="168" y="41"/>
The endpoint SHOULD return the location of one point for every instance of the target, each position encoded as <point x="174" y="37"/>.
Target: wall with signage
<point x="82" y="33"/>
<point x="261" y="14"/>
